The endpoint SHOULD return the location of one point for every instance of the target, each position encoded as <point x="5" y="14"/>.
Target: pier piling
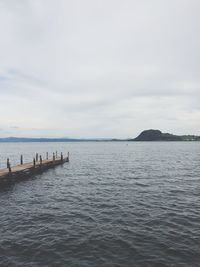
<point x="7" y="163"/>
<point x="40" y="160"/>
<point x="9" y="168"/>
<point x="21" y="160"/>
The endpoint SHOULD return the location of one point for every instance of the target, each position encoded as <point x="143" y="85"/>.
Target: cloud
<point x="107" y="68"/>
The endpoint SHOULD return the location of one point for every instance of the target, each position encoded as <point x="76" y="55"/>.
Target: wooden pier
<point x="25" y="170"/>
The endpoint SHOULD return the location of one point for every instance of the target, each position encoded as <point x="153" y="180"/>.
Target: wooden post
<point x="9" y="168"/>
<point x="40" y="160"/>
<point x="53" y="157"/>
<point x="8" y="165"/>
<point x="21" y="160"/>
<point x="34" y="162"/>
<point x="47" y="155"/>
<point x="8" y="162"/>
<point x="61" y="156"/>
<point x="68" y="157"/>
<point x="36" y="158"/>
<point x="56" y="154"/>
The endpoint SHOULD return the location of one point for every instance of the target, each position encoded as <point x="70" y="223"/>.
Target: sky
<point x="99" y="68"/>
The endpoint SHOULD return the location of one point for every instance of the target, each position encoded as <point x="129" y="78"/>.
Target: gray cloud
<point x="106" y="68"/>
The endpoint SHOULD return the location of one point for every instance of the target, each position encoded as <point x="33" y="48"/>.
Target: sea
<point x="114" y="204"/>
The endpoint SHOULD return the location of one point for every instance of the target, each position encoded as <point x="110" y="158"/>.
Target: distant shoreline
<point x="145" y="136"/>
<point x="46" y="140"/>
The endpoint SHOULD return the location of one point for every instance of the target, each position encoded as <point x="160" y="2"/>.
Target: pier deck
<point x="31" y="168"/>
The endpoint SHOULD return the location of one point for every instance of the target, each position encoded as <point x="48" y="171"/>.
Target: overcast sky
<point x="99" y="68"/>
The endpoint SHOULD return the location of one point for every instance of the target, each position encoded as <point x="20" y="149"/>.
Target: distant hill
<point x="157" y="135"/>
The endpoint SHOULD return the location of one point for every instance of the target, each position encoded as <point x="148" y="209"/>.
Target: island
<point x="157" y="135"/>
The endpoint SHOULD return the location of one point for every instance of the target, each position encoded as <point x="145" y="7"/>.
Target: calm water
<point x="114" y="204"/>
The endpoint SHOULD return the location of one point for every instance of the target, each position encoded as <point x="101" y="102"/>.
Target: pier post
<point x="56" y="154"/>
<point x="7" y="162"/>
<point x="21" y="160"/>
<point x="36" y="158"/>
<point x="68" y="157"/>
<point x="34" y="162"/>
<point x="61" y="156"/>
<point x="8" y="165"/>
<point x="47" y="155"/>
<point x="9" y="168"/>
<point x="53" y="157"/>
<point x="40" y="160"/>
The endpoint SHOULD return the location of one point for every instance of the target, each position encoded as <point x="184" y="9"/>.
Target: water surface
<point x="113" y="204"/>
